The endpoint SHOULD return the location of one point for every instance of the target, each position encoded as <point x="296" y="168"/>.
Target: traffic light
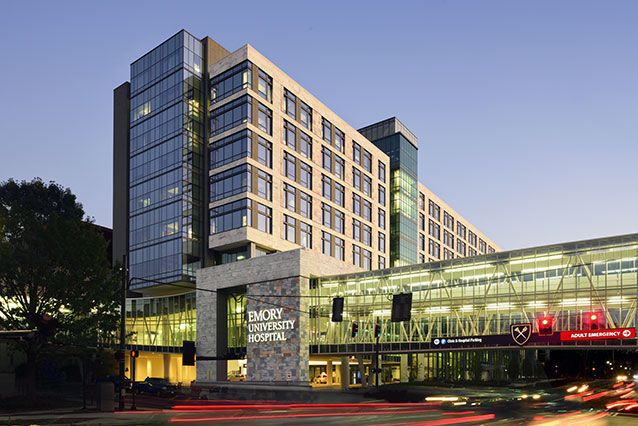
<point x="337" y="309"/>
<point x="546" y="326"/>
<point x="401" y="307"/>
<point x="188" y="352"/>
<point x="377" y="329"/>
<point x="594" y="320"/>
<point x="355" y="329"/>
<point x="135" y="353"/>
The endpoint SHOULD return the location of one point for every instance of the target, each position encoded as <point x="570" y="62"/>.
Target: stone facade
<point x="265" y="279"/>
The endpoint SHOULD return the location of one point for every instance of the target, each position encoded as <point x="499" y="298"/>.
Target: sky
<point x="526" y="112"/>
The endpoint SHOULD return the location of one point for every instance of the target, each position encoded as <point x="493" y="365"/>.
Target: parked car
<point x="156" y="386"/>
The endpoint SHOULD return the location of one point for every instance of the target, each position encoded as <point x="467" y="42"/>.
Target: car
<point x="155" y="386"/>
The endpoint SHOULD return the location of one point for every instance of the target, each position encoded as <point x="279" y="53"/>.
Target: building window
<point x="448" y="221"/>
<point x="471" y="238"/>
<point x="230" y="182"/>
<point x="381" y="242"/>
<point x="264" y="119"/>
<point x="356" y="178"/>
<point x="264" y="218"/>
<point x="339" y="166"/>
<point x="230" y="216"/>
<point x="340" y="194"/>
<point x="326" y="215"/>
<point x="264" y="152"/>
<point x="435" y="249"/>
<point x="367" y="161"/>
<point x="230" y="148"/>
<point x="434" y="229"/>
<point x="460" y="230"/>
<point x="356" y="230"/>
<point x="305" y="205"/>
<point x="421" y="242"/>
<point x="326" y="187"/>
<point x="460" y="247"/>
<point x="381" y="262"/>
<point x="367" y="185"/>
<point x="421" y="222"/>
<point x="327" y="130"/>
<point x="305" y="178"/>
<point x="356" y="255"/>
<point x="381" y="219"/>
<point x="290" y="167"/>
<point x="290" y="226"/>
<point x="340" y="248"/>
<point x="326" y="157"/>
<point x="340" y="140"/>
<point x="471" y="251"/>
<point x="264" y="185"/>
<point x="448" y="239"/>
<point x="231" y="115"/>
<point x="366" y="231"/>
<point x="367" y="210"/>
<point x="381" y="171"/>
<point x="434" y="210"/>
<point x="264" y="86"/>
<point x="305" y="233"/>
<point x="326" y="243"/>
<point x="490" y="249"/>
<point x="421" y="201"/>
<point x="232" y="81"/>
<point x="381" y="195"/>
<point x="482" y="246"/>
<point x="339" y="222"/>
<point x="356" y="204"/>
<point x="367" y="260"/>
<point x="305" y="145"/>
<point x="447" y="254"/>
<point x="305" y="113"/>
<point x="356" y="153"/>
<point x="290" y="197"/>
<point x="290" y="101"/>
<point x="290" y="135"/>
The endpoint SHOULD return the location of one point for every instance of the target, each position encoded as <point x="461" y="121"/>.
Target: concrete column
<point x="329" y="371"/>
<point x="362" y="370"/>
<point x="420" y="375"/>
<point x="345" y="372"/>
<point x="404" y="375"/>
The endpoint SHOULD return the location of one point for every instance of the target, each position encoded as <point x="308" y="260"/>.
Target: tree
<point x="53" y="266"/>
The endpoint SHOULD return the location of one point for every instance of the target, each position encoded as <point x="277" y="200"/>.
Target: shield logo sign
<point x="521" y="333"/>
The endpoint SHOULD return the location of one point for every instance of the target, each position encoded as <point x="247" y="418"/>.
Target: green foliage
<point x="54" y="261"/>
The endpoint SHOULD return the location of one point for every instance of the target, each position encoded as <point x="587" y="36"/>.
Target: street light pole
<point x="122" y="333"/>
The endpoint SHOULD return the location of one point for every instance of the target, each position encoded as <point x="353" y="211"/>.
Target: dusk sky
<point x="526" y="112"/>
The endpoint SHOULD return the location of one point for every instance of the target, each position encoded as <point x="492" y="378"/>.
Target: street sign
<point x="604" y="334"/>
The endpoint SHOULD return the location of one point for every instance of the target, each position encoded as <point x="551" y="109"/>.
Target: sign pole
<point x="378" y="364"/>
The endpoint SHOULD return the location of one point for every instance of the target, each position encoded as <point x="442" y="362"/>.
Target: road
<point x="593" y="404"/>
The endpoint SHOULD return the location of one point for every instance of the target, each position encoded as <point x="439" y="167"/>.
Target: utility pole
<point x="122" y="333"/>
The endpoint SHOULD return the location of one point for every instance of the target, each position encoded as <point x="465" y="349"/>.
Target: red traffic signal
<point x="135" y="353"/>
<point x="546" y="326"/>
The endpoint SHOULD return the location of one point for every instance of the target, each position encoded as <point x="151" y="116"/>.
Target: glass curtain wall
<point x="166" y="149"/>
<point x="484" y="295"/>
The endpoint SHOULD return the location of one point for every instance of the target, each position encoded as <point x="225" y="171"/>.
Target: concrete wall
<point x="121" y="102"/>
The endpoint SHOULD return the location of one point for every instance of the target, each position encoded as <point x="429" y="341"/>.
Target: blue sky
<point x="527" y="112"/>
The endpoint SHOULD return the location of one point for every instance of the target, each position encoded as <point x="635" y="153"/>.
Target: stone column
<point x="420" y="375"/>
<point x="362" y="371"/>
<point x="404" y="375"/>
<point x="166" y="364"/>
<point x="345" y="372"/>
<point x="329" y="371"/>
